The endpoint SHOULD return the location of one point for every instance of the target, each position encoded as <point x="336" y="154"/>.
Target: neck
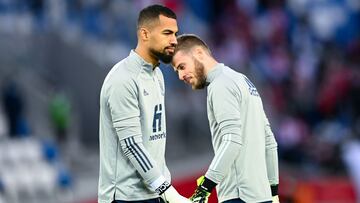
<point x="145" y="54"/>
<point x="209" y="64"/>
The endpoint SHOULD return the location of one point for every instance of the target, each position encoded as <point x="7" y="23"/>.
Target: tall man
<point x="132" y="117"/>
<point x="245" y="165"/>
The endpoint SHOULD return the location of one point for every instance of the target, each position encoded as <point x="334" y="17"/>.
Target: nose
<point x="173" y="41"/>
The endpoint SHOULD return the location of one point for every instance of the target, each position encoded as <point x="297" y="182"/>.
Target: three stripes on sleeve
<point x="136" y="151"/>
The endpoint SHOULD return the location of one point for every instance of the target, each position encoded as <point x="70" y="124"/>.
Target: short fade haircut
<point x="186" y="42"/>
<point x="151" y="13"/>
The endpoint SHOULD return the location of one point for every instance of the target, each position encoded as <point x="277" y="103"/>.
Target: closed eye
<point x="169" y="32"/>
<point x="181" y="66"/>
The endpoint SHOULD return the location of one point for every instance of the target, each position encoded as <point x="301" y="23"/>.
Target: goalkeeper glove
<point x="274" y="193"/>
<point x="203" y="191"/>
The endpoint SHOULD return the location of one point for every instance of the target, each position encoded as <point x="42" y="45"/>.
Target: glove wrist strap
<point x="207" y="185"/>
<point x="274" y="190"/>
<point x="163" y="187"/>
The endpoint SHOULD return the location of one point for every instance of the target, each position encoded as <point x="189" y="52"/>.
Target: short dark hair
<point x="151" y="13"/>
<point x="186" y="42"/>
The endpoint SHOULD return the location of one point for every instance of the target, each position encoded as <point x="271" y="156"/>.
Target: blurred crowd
<point x="303" y="56"/>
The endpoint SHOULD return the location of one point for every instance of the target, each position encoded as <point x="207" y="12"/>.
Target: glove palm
<point x="201" y="195"/>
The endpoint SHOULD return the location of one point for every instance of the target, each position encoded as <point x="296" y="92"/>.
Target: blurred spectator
<point x="3" y="125"/>
<point x="13" y="103"/>
<point x="37" y="7"/>
<point x="59" y="109"/>
<point x="292" y="136"/>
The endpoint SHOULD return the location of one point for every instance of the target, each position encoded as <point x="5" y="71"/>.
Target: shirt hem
<point x="129" y="198"/>
<point x="223" y="199"/>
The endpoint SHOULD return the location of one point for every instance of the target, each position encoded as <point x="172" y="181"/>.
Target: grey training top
<point x="245" y="162"/>
<point x="132" y="132"/>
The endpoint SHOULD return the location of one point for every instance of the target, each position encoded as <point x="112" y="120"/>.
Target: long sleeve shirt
<point x="245" y="162"/>
<point x="132" y="132"/>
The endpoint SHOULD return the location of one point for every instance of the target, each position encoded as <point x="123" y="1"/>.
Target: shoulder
<point x="122" y="76"/>
<point x="227" y="80"/>
<point x="228" y="84"/>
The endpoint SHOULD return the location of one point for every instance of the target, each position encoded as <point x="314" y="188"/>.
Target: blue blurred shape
<point x="23" y="128"/>
<point x="2" y="187"/>
<point x="64" y="178"/>
<point x="50" y="150"/>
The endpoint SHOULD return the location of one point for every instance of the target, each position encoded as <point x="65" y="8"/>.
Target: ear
<point x="199" y="53"/>
<point x="144" y="34"/>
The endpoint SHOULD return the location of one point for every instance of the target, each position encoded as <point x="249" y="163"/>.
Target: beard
<point x="162" y="56"/>
<point x="199" y="75"/>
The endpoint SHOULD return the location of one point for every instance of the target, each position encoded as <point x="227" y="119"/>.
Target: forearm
<point x="272" y="166"/>
<point x="140" y="158"/>
<point x="272" y="163"/>
<point x="224" y="158"/>
<point x="146" y="166"/>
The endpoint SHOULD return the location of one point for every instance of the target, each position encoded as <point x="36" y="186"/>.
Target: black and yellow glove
<point x="203" y="191"/>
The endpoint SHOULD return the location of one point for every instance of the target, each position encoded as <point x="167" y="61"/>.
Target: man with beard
<point x="245" y="165"/>
<point x="132" y="117"/>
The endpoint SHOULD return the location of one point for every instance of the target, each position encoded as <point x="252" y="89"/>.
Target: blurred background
<point x="303" y="56"/>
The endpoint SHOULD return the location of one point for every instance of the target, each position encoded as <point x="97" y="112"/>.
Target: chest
<point x="151" y="93"/>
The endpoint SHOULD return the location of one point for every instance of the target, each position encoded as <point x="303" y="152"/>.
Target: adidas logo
<point x="145" y="93"/>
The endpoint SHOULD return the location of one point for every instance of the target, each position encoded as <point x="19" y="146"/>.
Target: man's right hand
<point x="172" y="196"/>
<point x="275" y="199"/>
